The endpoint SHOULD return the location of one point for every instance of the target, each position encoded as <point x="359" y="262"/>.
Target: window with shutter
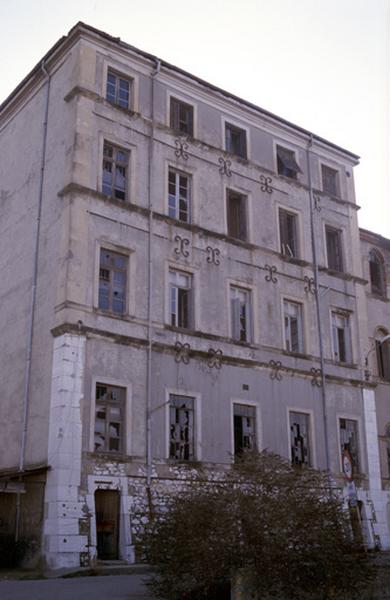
<point x="330" y="180"/>
<point x="181" y="293"/>
<point x="236" y="215"/>
<point x="288" y="233"/>
<point x="286" y="163"/>
<point x="235" y="140"/>
<point x="182" y="117"/>
<point x="240" y="310"/>
<point x="334" y="248"/>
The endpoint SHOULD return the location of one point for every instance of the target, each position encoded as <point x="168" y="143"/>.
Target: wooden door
<point x="107" y="523"/>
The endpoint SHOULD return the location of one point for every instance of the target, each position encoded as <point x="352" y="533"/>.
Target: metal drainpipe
<point x="27" y="376"/>
<point x="317" y="296"/>
<point x="150" y="283"/>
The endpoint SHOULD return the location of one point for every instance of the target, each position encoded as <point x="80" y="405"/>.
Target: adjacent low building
<point x="182" y="280"/>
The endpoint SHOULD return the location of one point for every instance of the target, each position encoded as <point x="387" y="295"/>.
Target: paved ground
<point x="117" y="587"/>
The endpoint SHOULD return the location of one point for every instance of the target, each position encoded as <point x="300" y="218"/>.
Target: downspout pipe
<point x="318" y="311"/>
<point x="156" y="71"/>
<point x="30" y="334"/>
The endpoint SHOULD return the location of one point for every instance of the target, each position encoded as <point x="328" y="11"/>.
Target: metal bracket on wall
<point x="181" y="149"/>
<point x="316" y="377"/>
<point x="182" y="353"/>
<point x="182" y="243"/>
<point x="275" y="366"/>
<point x="265" y="184"/>
<point x="224" y="169"/>
<point x="214" y="358"/>
<point x="213" y="254"/>
<point x="271" y="273"/>
<point x="310" y="287"/>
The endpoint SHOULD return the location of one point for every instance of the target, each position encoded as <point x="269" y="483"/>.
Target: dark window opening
<point x="244" y="428"/>
<point x="376" y="274"/>
<point x="109" y="418"/>
<point x="181" y="417"/>
<point x="329" y="180"/>
<point x="299" y="439"/>
<point x="349" y="441"/>
<point x="383" y="359"/>
<point x="287" y="165"/>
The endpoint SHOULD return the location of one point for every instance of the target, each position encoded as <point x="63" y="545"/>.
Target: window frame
<point x="120" y="77"/>
<point x="241" y="150"/>
<point x="309" y="416"/>
<point x="250" y="403"/>
<point x="359" y="470"/>
<point x="181" y="102"/>
<point x="281" y="169"/>
<point x="126" y="163"/>
<point x="254" y="446"/>
<point x="336" y="263"/>
<point x="300" y="326"/>
<point x="382" y="352"/>
<point x="295" y="252"/>
<point x="341" y="314"/>
<point x="129" y="253"/>
<point x="196" y="396"/>
<point x="179" y="173"/>
<point x="191" y="310"/>
<point x="127" y="437"/>
<point x="242" y="223"/>
<point x="334" y="192"/>
<point x="377" y="290"/>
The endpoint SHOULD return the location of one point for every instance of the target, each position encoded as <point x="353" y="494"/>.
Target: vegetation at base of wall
<point x="273" y="529"/>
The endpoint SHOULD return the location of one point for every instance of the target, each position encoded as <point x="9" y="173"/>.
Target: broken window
<point x="383" y="357"/>
<point x="241" y="318"/>
<point x="179" y="195"/>
<point x="244" y="428"/>
<point x="112" y="281"/>
<point x="293" y="335"/>
<point x="288" y="233"/>
<point x="349" y="441"/>
<point x="341" y="337"/>
<point x="181" y="427"/>
<point x="118" y="90"/>
<point x="236" y="215"/>
<point x="334" y="248"/>
<point x="181" y="299"/>
<point x="115" y="168"/>
<point x="286" y="162"/>
<point x="182" y="117"/>
<point x="109" y="418"/>
<point x="235" y="140"/>
<point x="299" y="439"/>
<point x="330" y="184"/>
<point x="376" y="273"/>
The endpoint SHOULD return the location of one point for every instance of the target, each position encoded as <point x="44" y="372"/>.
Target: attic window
<point x="287" y="165"/>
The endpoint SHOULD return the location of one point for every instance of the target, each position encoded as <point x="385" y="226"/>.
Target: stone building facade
<point x="182" y="279"/>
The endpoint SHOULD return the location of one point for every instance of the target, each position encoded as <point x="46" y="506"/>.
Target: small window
<point x="182" y="117"/>
<point x="115" y="171"/>
<point x="300" y="439"/>
<point x="341" y="338"/>
<point x="235" y="140"/>
<point x="236" y="215"/>
<point x="334" y="248"/>
<point x="288" y="233"/>
<point x="330" y="181"/>
<point x="293" y="336"/>
<point x="109" y="418"/>
<point x="287" y="164"/>
<point x="240" y="311"/>
<point x="244" y="428"/>
<point x="181" y="427"/>
<point x="377" y="278"/>
<point x="383" y="358"/>
<point x="181" y="306"/>
<point x="112" y="281"/>
<point x="349" y="441"/>
<point x="118" y="90"/>
<point x="179" y="196"/>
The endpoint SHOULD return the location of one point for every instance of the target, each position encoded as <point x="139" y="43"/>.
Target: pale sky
<point x="322" y="64"/>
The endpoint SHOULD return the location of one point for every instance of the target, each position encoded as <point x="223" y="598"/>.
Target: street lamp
<point x="367" y="373"/>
